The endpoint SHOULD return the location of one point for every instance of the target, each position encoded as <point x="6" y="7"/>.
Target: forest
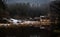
<point x="19" y="10"/>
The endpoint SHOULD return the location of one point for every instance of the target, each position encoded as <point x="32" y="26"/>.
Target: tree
<point x="55" y="13"/>
<point x="2" y="8"/>
<point x="55" y="9"/>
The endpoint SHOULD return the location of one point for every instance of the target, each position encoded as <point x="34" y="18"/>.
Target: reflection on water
<point x="10" y="36"/>
<point x="24" y="32"/>
<point x="34" y="35"/>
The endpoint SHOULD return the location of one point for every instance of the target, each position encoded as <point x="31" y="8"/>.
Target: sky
<point x="30" y="1"/>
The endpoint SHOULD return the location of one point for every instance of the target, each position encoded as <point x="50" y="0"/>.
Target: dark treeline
<point x="23" y="10"/>
<point x="18" y="10"/>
